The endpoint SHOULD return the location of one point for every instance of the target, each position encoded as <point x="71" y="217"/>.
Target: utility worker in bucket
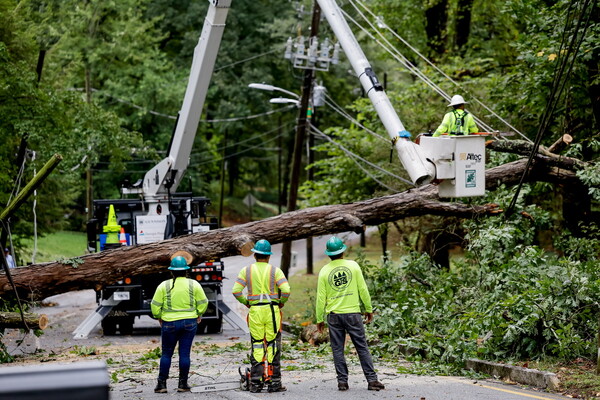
<point x="178" y="304"/>
<point x="458" y="121"/>
<point x="267" y="291"/>
<point x="341" y="289"/>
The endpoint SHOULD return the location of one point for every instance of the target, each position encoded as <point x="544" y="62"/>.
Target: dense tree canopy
<point x="101" y="83"/>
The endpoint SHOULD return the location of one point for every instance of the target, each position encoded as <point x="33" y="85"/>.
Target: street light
<point x="284" y="100"/>
<point x="271" y="88"/>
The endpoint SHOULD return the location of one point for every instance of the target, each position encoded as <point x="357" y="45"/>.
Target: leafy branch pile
<point x="506" y="299"/>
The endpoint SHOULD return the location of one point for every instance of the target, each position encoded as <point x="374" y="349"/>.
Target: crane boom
<point x="419" y="169"/>
<point x="168" y="173"/>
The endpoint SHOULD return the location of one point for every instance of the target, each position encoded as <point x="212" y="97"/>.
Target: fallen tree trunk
<point x="93" y="270"/>
<point x="33" y="321"/>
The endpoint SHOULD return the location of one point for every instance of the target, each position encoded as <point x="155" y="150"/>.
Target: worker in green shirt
<point x="267" y="291"/>
<point x="458" y="121"/>
<point x="341" y="289"/>
<point x="178" y="304"/>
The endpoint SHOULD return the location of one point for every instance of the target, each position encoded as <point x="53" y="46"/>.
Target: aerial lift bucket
<point x="459" y="163"/>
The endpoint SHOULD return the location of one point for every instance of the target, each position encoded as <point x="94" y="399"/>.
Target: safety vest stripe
<point x="285" y="295"/>
<point x="157" y="303"/>
<point x="281" y="281"/>
<point x="191" y="290"/>
<point x="201" y="302"/>
<point x="263" y="295"/>
<point x="237" y="294"/>
<point x="272" y="280"/>
<point x="241" y="281"/>
<point x="249" y="277"/>
<point x="169" y="307"/>
<point x="169" y="293"/>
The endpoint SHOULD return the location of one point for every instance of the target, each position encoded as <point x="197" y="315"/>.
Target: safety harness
<point x="459" y="122"/>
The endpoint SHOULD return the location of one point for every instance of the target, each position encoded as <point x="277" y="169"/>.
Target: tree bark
<point x="93" y="270"/>
<point x="562" y="143"/>
<point x="13" y="320"/>
<point x="463" y="24"/>
<point x="435" y="26"/>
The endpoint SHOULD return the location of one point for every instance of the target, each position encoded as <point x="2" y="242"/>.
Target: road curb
<point x="527" y="376"/>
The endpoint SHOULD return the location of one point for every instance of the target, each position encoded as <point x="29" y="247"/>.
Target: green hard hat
<point x="335" y="246"/>
<point x="262" y="247"/>
<point x="178" y="264"/>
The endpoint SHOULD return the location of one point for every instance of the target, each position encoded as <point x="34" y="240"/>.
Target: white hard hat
<point x="456" y="100"/>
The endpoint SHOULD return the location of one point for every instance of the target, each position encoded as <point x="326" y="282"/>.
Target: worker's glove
<point x="281" y="305"/>
<point x="320" y="327"/>
<point x="368" y="317"/>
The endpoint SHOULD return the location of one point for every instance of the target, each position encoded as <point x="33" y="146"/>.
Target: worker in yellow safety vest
<point x="178" y="304"/>
<point x="341" y="289"/>
<point x="458" y="121"/>
<point x="267" y="291"/>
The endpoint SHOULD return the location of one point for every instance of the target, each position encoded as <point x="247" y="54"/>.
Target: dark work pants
<point x="257" y="368"/>
<point x="351" y="324"/>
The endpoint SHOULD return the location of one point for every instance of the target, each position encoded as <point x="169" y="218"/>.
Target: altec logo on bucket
<point x="470" y="157"/>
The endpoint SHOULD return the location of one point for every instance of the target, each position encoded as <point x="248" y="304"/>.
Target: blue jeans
<point x="182" y="331"/>
<point x="339" y="325"/>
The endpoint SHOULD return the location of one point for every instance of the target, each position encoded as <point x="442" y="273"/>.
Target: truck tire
<point x="126" y="325"/>
<point x="109" y="326"/>
<point x="214" y="325"/>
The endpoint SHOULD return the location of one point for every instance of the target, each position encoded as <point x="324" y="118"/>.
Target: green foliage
<point x="507" y="299"/>
<point x="84" y="350"/>
<point x="590" y="176"/>
<point x="73" y="262"/>
<point x="152" y="354"/>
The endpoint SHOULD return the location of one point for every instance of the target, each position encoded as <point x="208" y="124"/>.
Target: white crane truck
<point x="160" y="213"/>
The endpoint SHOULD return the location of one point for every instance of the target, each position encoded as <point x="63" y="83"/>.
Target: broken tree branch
<point x="32" y="321"/>
<point x="42" y="280"/>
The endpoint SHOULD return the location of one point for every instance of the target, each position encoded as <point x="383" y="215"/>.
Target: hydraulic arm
<point x="167" y="174"/>
<point x="414" y="161"/>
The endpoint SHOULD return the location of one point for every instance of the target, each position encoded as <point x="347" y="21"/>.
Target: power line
<point x="356" y="156"/>
<point x="458" y="85"/>
<point x="331" y="103"/>
<point x="558" y="84"/>
<point x="247" y="59"/>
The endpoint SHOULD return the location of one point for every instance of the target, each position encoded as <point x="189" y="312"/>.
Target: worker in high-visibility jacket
<point x="341" y="289"/>
<point x="267" y="291"/>
<point x="178" y="304"/>
<point x="458" y="121"/>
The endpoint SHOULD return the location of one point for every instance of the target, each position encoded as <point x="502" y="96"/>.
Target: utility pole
<point x="279" y="158"/>
<point x="311" y="177"/>
<point x="307" y="83"/>
<point x="223" y="163"/>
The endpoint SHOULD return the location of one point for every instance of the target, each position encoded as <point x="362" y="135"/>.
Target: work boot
<point x="343" y="386"/>
<point x="375" y="385"/>
<point x="276" y="387"/>
<point x="255" y="388"/>
<point x="183" y="385"/>
<point x="161" y="386"/>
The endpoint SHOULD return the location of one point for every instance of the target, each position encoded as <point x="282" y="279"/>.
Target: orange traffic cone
<point x="123" y="237"/>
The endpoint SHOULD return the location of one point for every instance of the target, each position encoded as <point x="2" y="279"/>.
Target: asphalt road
<point x="133" y="379"/>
